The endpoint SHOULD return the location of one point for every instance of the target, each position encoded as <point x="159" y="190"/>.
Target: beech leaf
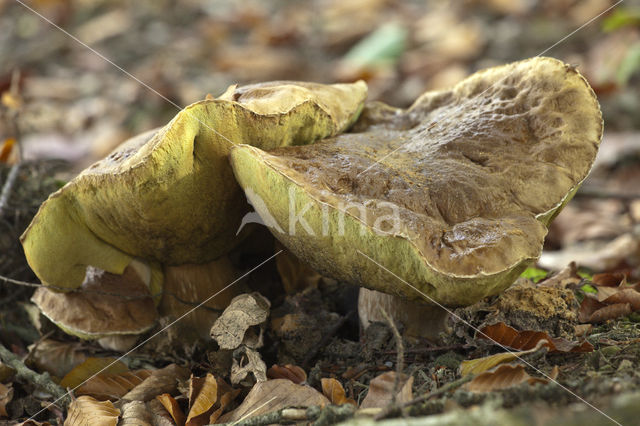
<point x="112" y="386"/>
<point x="89" y="411"/>
<point x="333" y="390"/>
<point x="480" y="365"/>
<point x="502" y="334"/>
<point x="203" y="394"/>
<point x="172" y="406"/>
<point x="381" y="390"/>
<point x="90" y="367"/>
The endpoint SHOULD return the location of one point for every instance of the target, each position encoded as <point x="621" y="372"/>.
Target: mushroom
<point x="116" y="308"/>
<point x="169" y="196"/>
<point x="187" y="286"/>
<point x="166" y="202"/>
<point x="108" y="305"/>
<point x="443" y="203"/>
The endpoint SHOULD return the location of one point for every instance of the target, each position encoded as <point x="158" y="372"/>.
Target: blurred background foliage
<point x="78" y="107"/>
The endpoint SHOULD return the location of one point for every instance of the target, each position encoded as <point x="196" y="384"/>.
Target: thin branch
<point x="8" y="186"/>
<point x="430" y="349"/>
<point x="41" y="381"/>
<point x="13" y="121"/>
<point x="18" y="282"/>
<point x="104" y="293"/>
<point x="399" y="356"/>
<point x="320" y="416"/>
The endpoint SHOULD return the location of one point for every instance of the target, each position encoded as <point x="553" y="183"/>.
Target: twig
<point x="66" y="290"/>
<point x="325" y="339"/>
<point x="103" y="293"/>
<point x="7" y="187"/>
<point x="430" y="349"/>
<point x="18" y="282"/>
<point x="399" y="357"/>
<point x="320" y="416"/>
<point x="440" y="391"/>
<point x="42" y="381"/>
<point x="13" y="118"/>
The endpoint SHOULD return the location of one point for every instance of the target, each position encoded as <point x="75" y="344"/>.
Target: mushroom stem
<point x="420" y="320"/>
<point x="199" y="292"/>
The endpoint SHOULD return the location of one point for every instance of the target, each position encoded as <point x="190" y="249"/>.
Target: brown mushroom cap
<point x="452" y="195"/>
<point x="105" y="305"/>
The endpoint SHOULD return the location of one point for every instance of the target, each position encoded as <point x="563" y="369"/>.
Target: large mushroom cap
<point x="452" y="195"/>
<point x="170" y="196"/>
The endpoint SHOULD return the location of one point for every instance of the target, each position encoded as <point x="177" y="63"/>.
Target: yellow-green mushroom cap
<point x="169" y="196"/>
<point x="452" y="196"/>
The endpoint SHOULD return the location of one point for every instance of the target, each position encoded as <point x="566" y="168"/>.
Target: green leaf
<point x="585" y="274"/>
<point x="588" y="288"/>
<point x="620" y="18"/>
<point x="534" y="274"/>
<point x="382" y="47"/>
<point x="629" y="65"/>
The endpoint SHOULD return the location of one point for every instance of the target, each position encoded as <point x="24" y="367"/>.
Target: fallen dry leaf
<point x="173" y="408"/>
<point x="90" y="367"/>
<point x="609" y="279"/>
<point x="161" y="381"/>
<point x="246" y="361"/>
<point x="614" y="298"/>
<point x="161" y="416"/>
<point x="567" y="277"/>
<point x="504" y="335"/>
<point x="291" y="372"/>
<point x="605" y="256"/>
<point x="592" y="311"/>
<point x="6" y="373"/>
<point x="89" y="411"/>
<point x="581" y="330"/>
<point x="203" y="394"/>
<point x="245" y="311"/>
<point x="136" y="413"/>
<point x="505" y="376"/>
<point x="6" y="395"/>
<point x="11" y="100"/>
<point x="381" y="390"/>
<point x="627" y="295"/>
<point x="58" y="358"/>
<point x="6" y="148"/>
<point x="226" y="395"/>
<point x="112" y="386"/>
<point x="480" y="365"/>
<point x="502" y="377"/>
<point x="273" y="395"/>
<point x="332" y="389"/>
<point x="592" y="219"/>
